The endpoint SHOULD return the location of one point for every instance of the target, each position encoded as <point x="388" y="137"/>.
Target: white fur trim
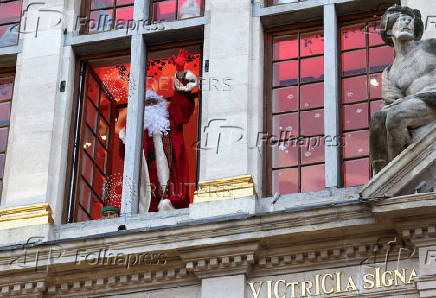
<point x="192" y="82"/>
<point x="163" y="171"/>
<point x="122" y="135"/>
<point x="156" y="118"/>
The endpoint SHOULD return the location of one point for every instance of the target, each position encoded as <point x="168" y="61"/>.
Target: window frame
<point x="344" y="21"/>
<point x="318" y="25"/>
<point x="300" y="28"/>
<point x="7" y="73"/>
<point x="72" y="181"/>
<point x="151" y="16"/>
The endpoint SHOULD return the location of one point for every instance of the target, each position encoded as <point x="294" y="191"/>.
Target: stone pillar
<point x="225" y="92"/>
<point x="331" y="95"/>
<point x="226" y="286"/>
<point x="135" y="116"/>
<point x="40" y="120"/>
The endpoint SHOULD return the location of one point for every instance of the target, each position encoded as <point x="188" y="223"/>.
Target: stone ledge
<point x="25" y="216"/>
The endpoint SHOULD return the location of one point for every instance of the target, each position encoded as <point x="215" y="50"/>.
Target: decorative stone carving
<point x="409" y="86"/>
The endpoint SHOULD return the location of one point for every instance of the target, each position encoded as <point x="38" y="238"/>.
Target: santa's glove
<point x="187" y="84"/>
<point x="122" y="135"/>
<point x="181" y="59"/>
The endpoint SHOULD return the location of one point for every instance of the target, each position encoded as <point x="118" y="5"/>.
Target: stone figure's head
<point x="402" y="23"/>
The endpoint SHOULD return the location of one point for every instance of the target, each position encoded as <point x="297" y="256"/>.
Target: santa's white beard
<point x="156" y="119"/>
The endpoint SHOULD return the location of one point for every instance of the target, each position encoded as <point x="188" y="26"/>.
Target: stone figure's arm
<point x="390" y="92"/>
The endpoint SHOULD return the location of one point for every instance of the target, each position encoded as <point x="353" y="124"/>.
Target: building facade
<point x="283" y="202"/>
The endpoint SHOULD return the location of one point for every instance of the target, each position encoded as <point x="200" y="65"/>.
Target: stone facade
<point x="378" y="240"/>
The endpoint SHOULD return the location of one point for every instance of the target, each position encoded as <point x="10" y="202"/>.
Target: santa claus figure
<point x="165" y="171"/>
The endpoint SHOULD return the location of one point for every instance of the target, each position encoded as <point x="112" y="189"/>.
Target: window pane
<point x="5" y="112"/>
<point x="353" y="37"/>
<point x="285" y="126"/>
<point x="123" y="16"/>
<point x="91" y="115"/>
<point x="81" y="215"/>
<point x="98" y="182"/>
<point x="311" y="44"/>
<point x="87" y="168"/>
<point x="3" y="138"/>
<point x="375" y="83"/>
<point x="312" y="178"/>
<point x="285" y="73"/>
<point x="356" y="172"/>
<point x="164" y="11"/>
<point x="84" y="197"/>
<point x="189" y="8"/>
<point x="312" y="123"/>
<point x="312" y="69"/>
<point x="285" y="154"/>
<point x="103" y="131"/>
<point x="355" y="116"/>
<point x="105" y="106"/>
<point x="354" y="62"/>
<point x="285" y="181"/>
<point x="376" y="106"/>
<point x="92" y="90"/>
<point x="375" y="35"/>
<point x="8" y="35"/>
<point x="6" y="88"/>
<point x="285" y="47"/>
<point x="285" y="99"/>
<point x="2" y="165"/>
<point x="312" y="96"/>
<point x="100" y="20"/>
<point x="97" y="205"/>
<point x="313" y="150"/>
<point x="10" y="12"/>
<point x="97" y="4"/>
<point x="124" y="2"/>
<point x="100" y="157"/>
<point x="356" y="144"/>
<point x="380" y="58"/>
<point x="354" y="89"/>
<point x="88" y="142"/>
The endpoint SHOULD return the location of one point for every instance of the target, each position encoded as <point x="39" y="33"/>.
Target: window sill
<point x="209" y="212"/>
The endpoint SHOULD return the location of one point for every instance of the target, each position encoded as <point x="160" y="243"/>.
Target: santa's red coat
<point x="180" y="110"/>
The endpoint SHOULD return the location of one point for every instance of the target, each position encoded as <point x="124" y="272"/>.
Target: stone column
<point x="135" y="115"/>
<point x="225" y="286"/>
<point x="40" y="121"/>
<point x="331" y="95"/>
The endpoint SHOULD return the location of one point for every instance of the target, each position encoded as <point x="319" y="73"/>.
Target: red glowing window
<point x="297" y="114"/>
<point x="105" y="15"/>
<point x="6" y="92"/>
<point x="171" y="10"/>
<point x="10" y="15"/>
<point x="364" y="57"/>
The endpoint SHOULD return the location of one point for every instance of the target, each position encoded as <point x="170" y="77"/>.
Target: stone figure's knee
<point x="395" y="120"/>
<point x="378" y="121"/>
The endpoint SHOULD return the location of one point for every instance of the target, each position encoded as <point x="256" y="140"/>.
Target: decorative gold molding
<point x="225" y="189"/>
<point x="25" y="216"/>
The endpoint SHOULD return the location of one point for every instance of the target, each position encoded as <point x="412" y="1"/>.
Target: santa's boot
<point x="165" y="205"/>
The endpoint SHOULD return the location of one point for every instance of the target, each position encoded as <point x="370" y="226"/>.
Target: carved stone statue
<point x="409" y="85"/>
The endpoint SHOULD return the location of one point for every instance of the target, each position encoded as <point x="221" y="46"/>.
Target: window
<point x="10" y="15"/>
<point x="171" y="10"/>
<point x="364" y="56"/>
<point x="100" y="156"/>
<point x="6" y="92"/>
<point x="104" y="15"/>
<point x="105" y="95"/>
<point x="296" y="115"/>
<point x="275" y="2"/>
